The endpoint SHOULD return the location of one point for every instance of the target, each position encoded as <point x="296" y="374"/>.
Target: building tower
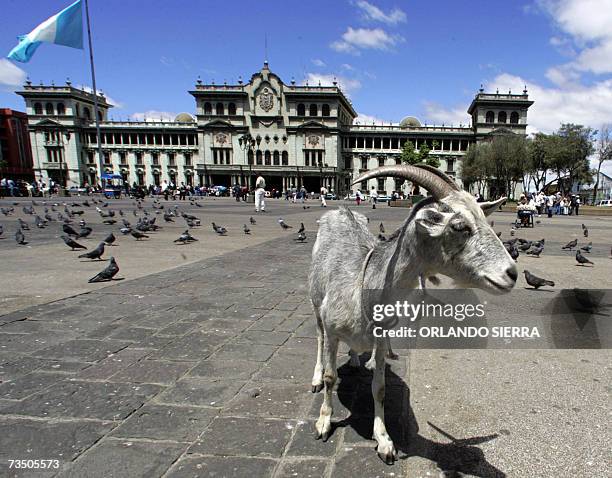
<point x="499" y="112"/>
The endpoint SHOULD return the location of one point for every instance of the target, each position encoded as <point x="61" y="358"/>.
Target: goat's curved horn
<point x="440" y="174"/>
<point x="437" y="186"/>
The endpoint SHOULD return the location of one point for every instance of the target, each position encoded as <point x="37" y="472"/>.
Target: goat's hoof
<point x="371" y="364"/>
<point x="317" y="388"/>
<point x="388" y="454"/>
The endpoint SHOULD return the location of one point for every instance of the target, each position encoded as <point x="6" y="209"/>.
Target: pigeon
<point x="110" y="222"/>
<point x="570" y="245"/>
<point x="499" y="234"/>
<point x="583" y="226"/>
<point x="86" y="203"/>
<point x="246" y="229"/>
<point x="126" y="223"/>
<point x="85" y="231"/>
<point x="138" y="235"/>
<point x="301" y="237"/>
<point x="305" y="207"/>
<point x="49" y="218"/>
<point x="68" y="230"/>
<point x="94" y="253"/>
<point x="219" y="229"/>
<point x="110" y="239"/>
<point x="20" y="238"/>
<point x="125" y="230"/>
<point x="252" y="221"/>
<point x="492" y="223"/>
<point x="121" y="212"/>
<point x="381" y="228"/>
<point x="29" y="210"/>
<point x="40" y="223"/>
<point x="585" y="232"/>
<point x="587" y="248"/>
<point x="535" y="281"/>
<point x="107" y="274"/>
<point x="72" y="244"/>
<point x="1" y="230"/>
<point x="283" y="224"/>
<point x="302" y="228"/>
<point x="510" y="242"/>
<point x="581" y="259"/>
<point x="82" y="223"/>
<point x="168" y="217"/>
<point x="514" y="253"/>
<point x="525" y="246"/>
<point x="23" y="225"/>
<point x="185" y="238"/>
<point x="536" y="251"/>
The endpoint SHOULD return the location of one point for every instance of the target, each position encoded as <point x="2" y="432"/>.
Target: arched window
<point x="61" y="109"/>
<point x="301" y="110"/>
<point x="258" y="157"/>
<point x="207" y="108"/>
<point x="219" y="109"/>
<point x="325" y="109"/>
<point x="276" y="158"/>
<point x="285" y="158"/>
<point x="514" y="117"/>
<point x="501" y="117"/>
<point x="313" y="110"/>
<point x="250" y="156"/>
<point x="78" y="112"/>
<point x="490" y="118"/>
<point x="87" y="113"/>
<point x="100" y="118"/>
<point x="49" y="109"/>
<point x="231" y="109"/>
<point x="268" y="158"/>
<point x="38" y="109"/>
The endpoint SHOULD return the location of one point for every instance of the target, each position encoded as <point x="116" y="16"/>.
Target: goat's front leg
<point x="323" y="424"/>
<point x="317" y="376"/>
<point x="386" y="449"/>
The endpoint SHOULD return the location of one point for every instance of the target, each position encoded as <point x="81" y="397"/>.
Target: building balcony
<point x="54" y="166"/>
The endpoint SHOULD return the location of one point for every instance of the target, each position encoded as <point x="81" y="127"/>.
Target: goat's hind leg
<point x="317" y="376"/>
<point x="323" y="425"/>
<point x="385" y="449"/>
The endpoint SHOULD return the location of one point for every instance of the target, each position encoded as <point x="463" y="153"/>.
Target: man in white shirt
<point x="374" y="196"/>
<point x="323" y="193"/>
<point x="260" y="194"/>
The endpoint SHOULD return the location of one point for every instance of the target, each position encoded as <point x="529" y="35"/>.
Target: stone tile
<point x="29" y="343"/>
<point x="132" y="334"/>
<point x="237" y="369"/>
<point x="308" y="468"/>
<point x="267" y="323"/>
<point x="304" y="442"/>
<point x="28" y="384"/>
<point x="218" y="466"/>
<point x="152" y="342"/>
<point x="176" y="329"/>
<point x="227" y="326"/>
<point x="291" y="324"/>
<point x="82" y="350"/>
<point x="104" y="401"/>
<point x="67" y="368"/>
<point x="164" y="422"/>
<point x="275" y="400"/>
<point x="192" y="347"/>
<point x="36" y="439"/>
<point x="124" y="458"/>
<point x="113" y="364"/>
<point x="285" y="366"/>
<point x="244" y="436"/>
<point x="363" y="461"/>
<point x="263" y="337"/>
<point x="256" y="353"/>
<point x="16" y="366"/>
<point x="201" y="392"/>
<point x="152" y="371"/>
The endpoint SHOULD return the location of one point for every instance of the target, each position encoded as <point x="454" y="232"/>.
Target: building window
<point x="490" y="117"/>
<point x="381" y="162"/>
<point x="140" y="177"/>
<point x="38" y="109"/>
<point x="219" y="109"/>
<point x="380" y="184"/>
<point x="155" y="159"/>
<point x="285" y="158"/>
<point x="514" y="117"/>
<point x="364" y="163"/>
<point x="139" y="159"/>
<point x="313" y="110"/>
<point x="87" y="113"/>
<point x="100" y="118"/>
<point x="325" y="109"/>
<point x="187" y="157"/>
<point x="231" y="109"/>
<point x="171" y="160"/>
<point x="61" y="109"/>
<point x="501" y="117"/>
<point x="107" y="158"/>
<point x="398" y="184"/>
<point x="207" y="108"/>
<point x="276" y="158"/>
<point x="49" y="109"/>
<point x="450" y="165"/>
<point x="156" y="178"/>
<point x="268" y="158"/>
<point x="259" y="157"/>
<point x="90" y="157"/>
<point x="301" y="110"/>
<point x="250" y="157"/>
<point x="122" y="158"/>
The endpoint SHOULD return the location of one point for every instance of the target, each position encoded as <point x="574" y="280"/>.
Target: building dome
<point x="410" y="122"/>
<point x="184" y="118"/>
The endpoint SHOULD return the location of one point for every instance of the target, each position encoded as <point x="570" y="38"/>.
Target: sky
<point x="392" y="58"/>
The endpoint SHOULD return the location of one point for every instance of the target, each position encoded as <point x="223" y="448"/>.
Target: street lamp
<point x="247" y="144"/>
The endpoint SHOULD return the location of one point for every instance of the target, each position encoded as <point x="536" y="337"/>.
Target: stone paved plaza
<point x="198" y="362"/>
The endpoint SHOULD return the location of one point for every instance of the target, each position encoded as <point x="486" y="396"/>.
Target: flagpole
<point x="95" y="95"/>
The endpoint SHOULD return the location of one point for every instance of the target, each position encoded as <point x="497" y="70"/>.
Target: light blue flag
<point x="65" y="28"/>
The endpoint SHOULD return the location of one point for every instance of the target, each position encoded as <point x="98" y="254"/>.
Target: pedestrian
<point x="260" y="194"/>
<point x="358" y="197"/>
<point x="374" y="196"/>
<point x="577" y="204"/>
<point x="323" y="193"/>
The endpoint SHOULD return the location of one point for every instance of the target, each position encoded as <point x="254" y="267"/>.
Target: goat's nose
<point x="511" y="272"/>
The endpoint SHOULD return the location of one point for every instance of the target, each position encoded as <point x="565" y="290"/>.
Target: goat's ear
<point x="431" y="222"/>
<point x="490" y="207"/>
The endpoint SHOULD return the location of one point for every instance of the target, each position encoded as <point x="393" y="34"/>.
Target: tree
<point x="427" y="157"/>
<point x="604" y="153"/>
<point x="538" y="160"/>
<point x="474" y="167"/>
<point x="409" y="155"/>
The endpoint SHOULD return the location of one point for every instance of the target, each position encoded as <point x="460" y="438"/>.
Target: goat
<point x="445" y="234"/>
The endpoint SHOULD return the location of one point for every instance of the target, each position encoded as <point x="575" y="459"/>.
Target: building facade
<point x="15" y="150"/>
<point x="293" y="135"/>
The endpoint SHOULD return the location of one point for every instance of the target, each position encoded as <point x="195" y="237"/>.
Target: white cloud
<point x="437" y="114"/>
<point x="153" y="115"/>
<point x="318" y="62"/>
<point x="354" y="39"/>
<point x="347" y="67"/>
<point x="10" y="74"/>
<point x="363" y="118"/>
<point x="115" y="103"/>
<point x="348" y="85"/>
<point x="373" y="13"/>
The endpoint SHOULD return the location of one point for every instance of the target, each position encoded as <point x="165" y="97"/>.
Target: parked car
<point x="605" y="203"/>
<point x="331" y="196"/>
<point x="383" y="198"/>
<point x="352" y="197"/>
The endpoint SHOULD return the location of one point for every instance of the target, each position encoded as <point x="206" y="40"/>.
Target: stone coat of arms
<point x="266" y="100"/>
<point x="313" y="140"/>
<point x="221" y="138"/>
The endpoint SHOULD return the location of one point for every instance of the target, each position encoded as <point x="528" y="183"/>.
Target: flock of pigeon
<point x="139" y="229"/>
